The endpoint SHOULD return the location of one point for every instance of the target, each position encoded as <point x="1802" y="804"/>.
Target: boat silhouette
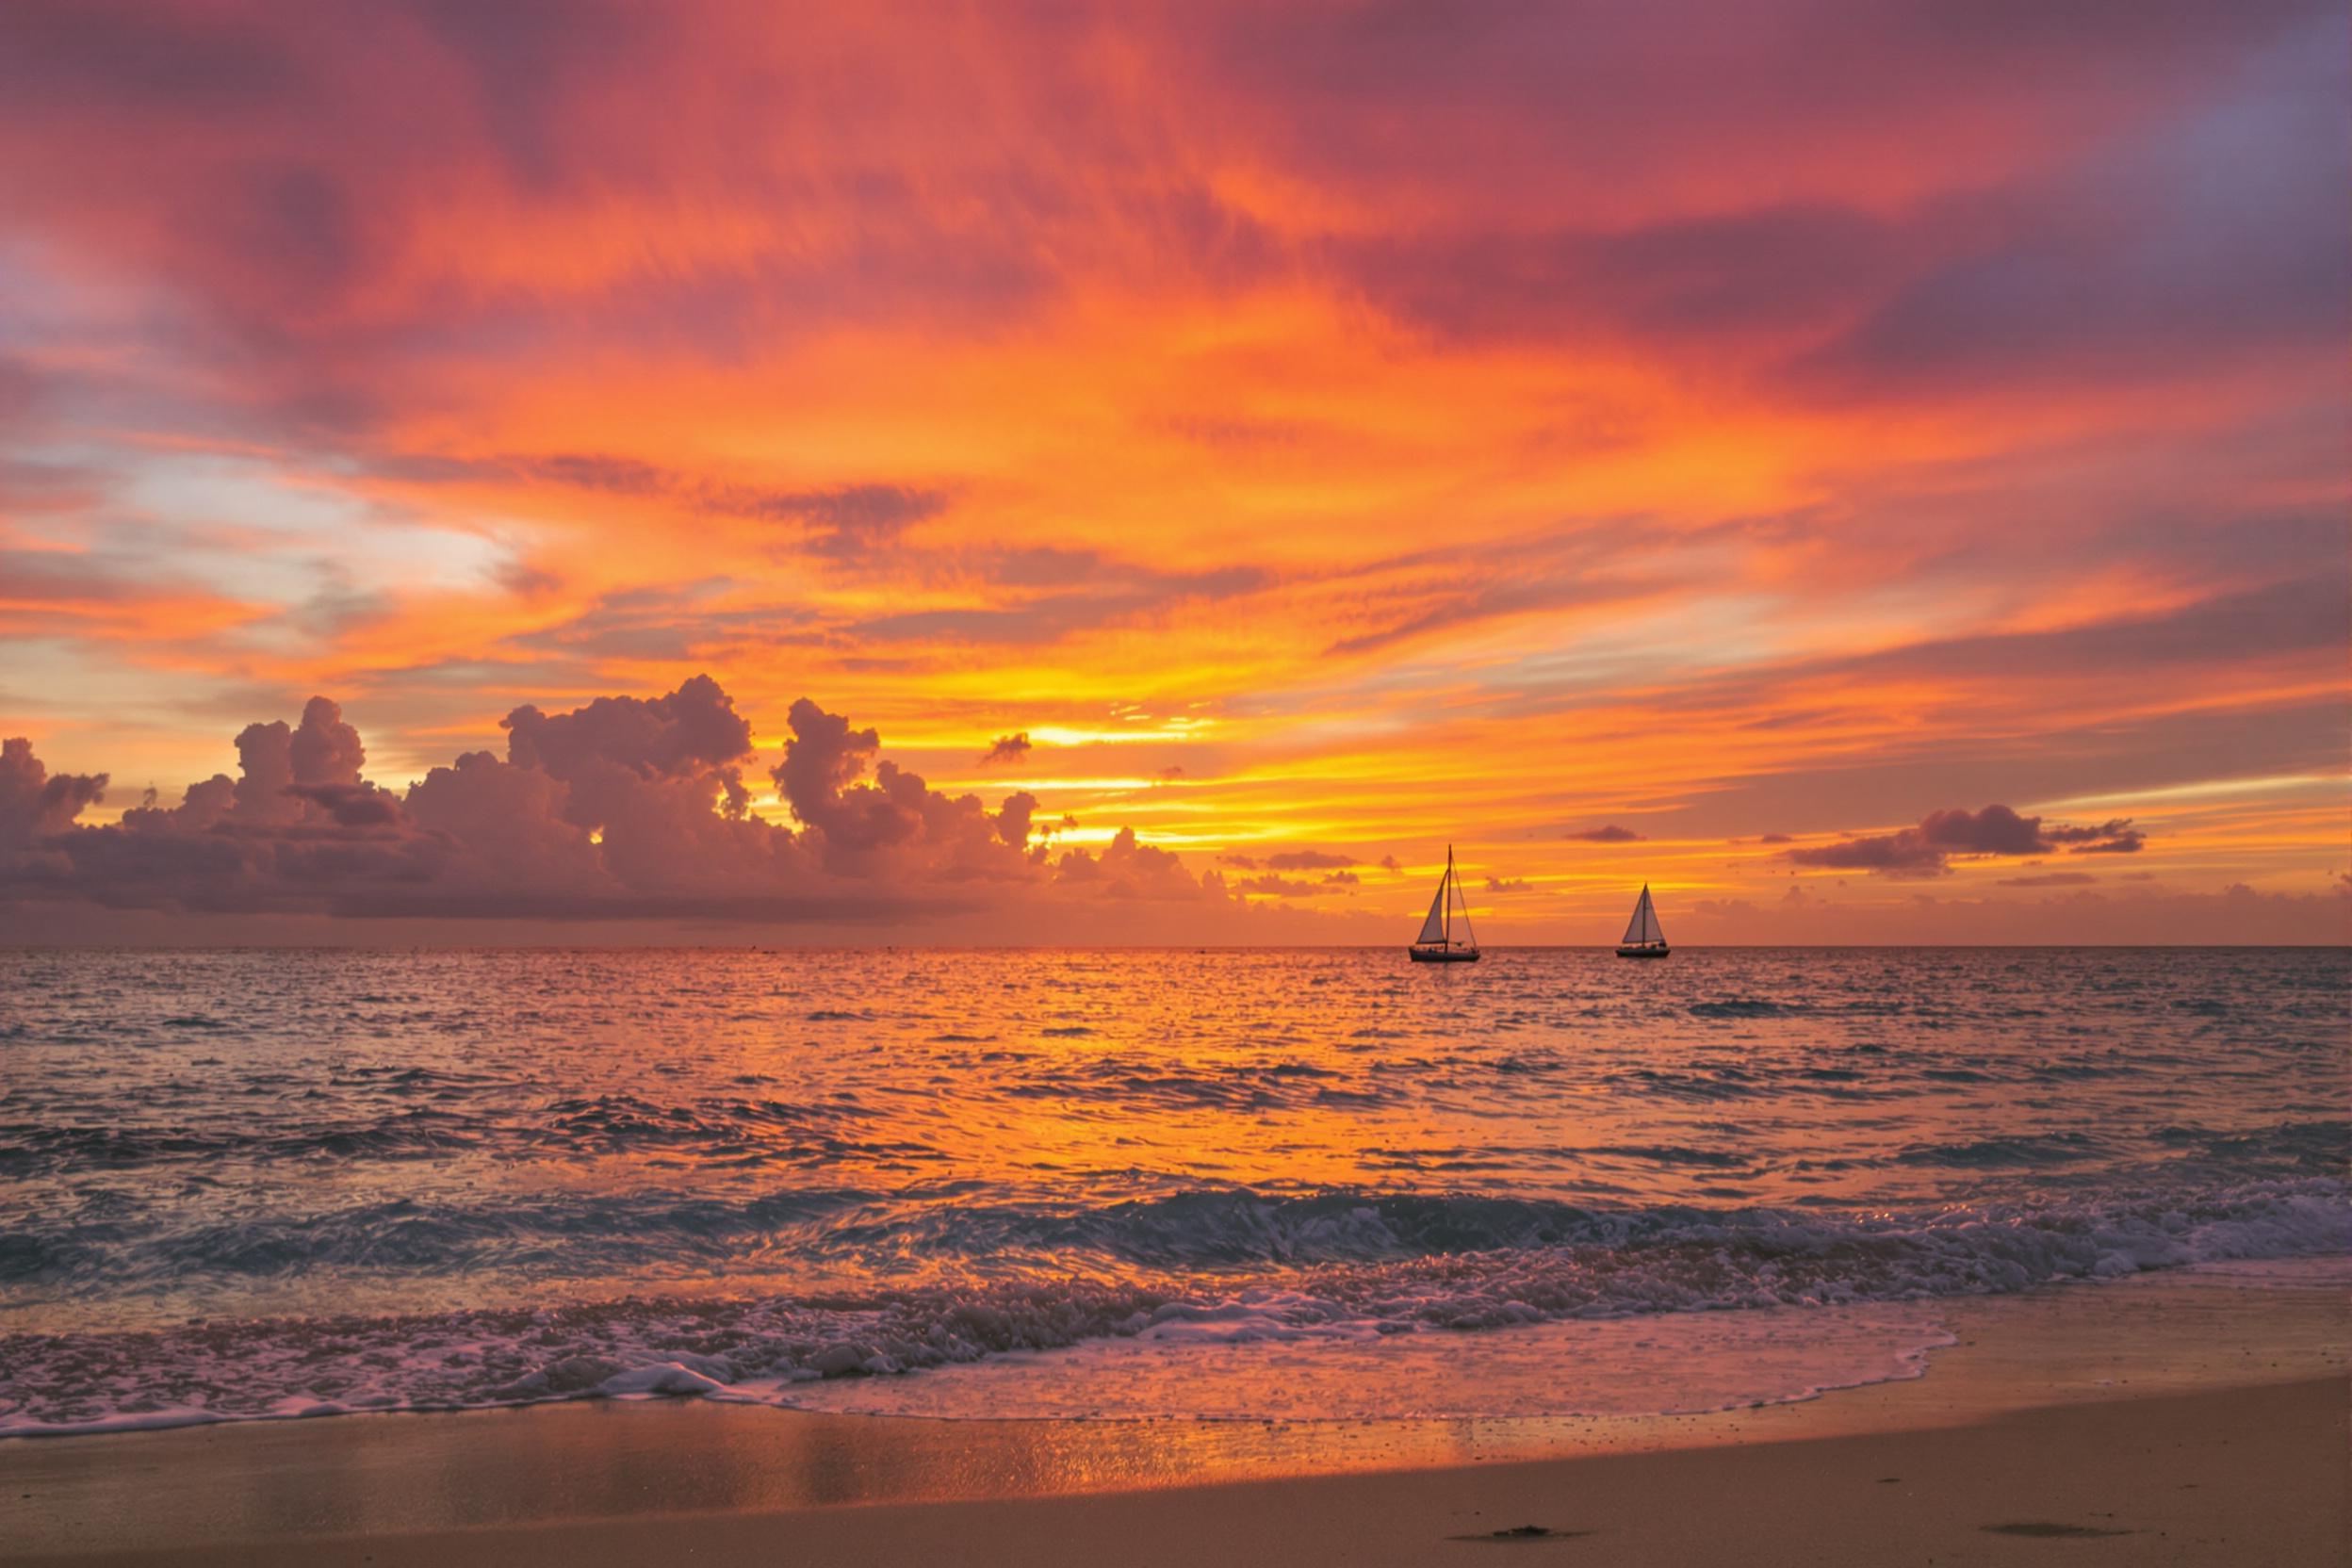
<point x="1645" y="937"/>
<point x="1436" y="944"/>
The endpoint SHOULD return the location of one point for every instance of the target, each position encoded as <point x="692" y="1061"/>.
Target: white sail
<point x="1643" y="927"/>
<point x="1434" y="928"/>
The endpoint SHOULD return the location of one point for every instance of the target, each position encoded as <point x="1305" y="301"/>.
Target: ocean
<point x="1226" y="1184"/>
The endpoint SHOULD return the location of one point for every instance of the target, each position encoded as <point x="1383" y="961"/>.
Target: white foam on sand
<point x="1242" y="1362"/>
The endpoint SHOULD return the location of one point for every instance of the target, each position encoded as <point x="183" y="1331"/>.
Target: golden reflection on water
<point x="297" y="1133"/>
<point x="476" y="1177"/>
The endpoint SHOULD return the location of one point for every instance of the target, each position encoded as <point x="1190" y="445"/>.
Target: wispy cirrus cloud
<point x="1285" y="406"/>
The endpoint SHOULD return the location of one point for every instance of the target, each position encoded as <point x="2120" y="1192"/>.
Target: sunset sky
<point x="1871" y="471"/>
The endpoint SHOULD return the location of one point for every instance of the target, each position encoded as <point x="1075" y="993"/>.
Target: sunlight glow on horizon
<point x="1803" y="467"/>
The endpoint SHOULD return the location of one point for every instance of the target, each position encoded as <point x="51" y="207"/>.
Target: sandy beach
<point x="2190" y="1420"/>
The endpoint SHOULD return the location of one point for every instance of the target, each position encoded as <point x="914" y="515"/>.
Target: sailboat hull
<point x="1436" y="944"/>
<point x="1661" y="951"/>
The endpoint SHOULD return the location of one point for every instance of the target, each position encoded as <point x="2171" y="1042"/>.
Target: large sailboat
<point x="1437" y="943"/>
<point x="1644" y="937"/>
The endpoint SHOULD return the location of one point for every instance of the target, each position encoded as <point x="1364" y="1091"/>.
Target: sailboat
<point x="1644" y="937"/>
<point x="1437" y="944"/>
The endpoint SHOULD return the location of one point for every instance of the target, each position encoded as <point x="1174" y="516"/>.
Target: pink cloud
<point x="624" y="808"/>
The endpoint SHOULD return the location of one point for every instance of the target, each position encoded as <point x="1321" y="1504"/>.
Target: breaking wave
<point x="1221" y="1266"/>
<point x="242" y="1184"/>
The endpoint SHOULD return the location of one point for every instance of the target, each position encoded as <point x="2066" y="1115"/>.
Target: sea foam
<point x="244" y="1186"/>
<point x="1333" y="1289"/>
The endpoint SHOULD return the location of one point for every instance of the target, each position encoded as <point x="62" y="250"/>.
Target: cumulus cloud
<point x="1507" y="884"/>
<point x="1130" y="869"/>
<point x="626" y="806"/>
<point x="1008" y="748"/>
<point x="1017" y="818"/>
<point x="32" y="804"/>
<point x="351" y="804"/>
<point x="1928" y="849"/>
<point x="1610" y="834"/>
<point x="275" y="761"/>
<point x="896" y="826"/>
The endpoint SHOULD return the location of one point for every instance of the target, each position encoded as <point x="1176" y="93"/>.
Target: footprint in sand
<point x="2044" y="1529"/>
<point x="1522" y="1532"/>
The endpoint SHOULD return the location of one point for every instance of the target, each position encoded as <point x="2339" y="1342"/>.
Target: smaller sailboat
<point x="1437" y="943"/>
<point x="1644" y="937"/>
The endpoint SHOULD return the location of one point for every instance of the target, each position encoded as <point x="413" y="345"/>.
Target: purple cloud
<point x="1997" y="830"/>
<point x="624" y="807"/>
<point x="2116" y="839"/>
<point x="1129" y="869"/>
<point x="351" y="805"/>
<point x="33" y="804"/>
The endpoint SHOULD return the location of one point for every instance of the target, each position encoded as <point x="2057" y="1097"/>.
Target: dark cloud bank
<point x="626" y="808"/>
<point x="1928" y="849"/>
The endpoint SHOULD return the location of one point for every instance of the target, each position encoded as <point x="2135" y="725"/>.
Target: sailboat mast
<point x="1449" y="895"/>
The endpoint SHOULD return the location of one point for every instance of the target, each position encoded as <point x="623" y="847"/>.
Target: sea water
<point x="1310" y="1183"/>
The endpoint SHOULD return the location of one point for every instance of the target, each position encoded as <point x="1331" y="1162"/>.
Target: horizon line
<point x="360" y="946"/>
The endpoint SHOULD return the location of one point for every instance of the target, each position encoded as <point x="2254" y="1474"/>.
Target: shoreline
<point x="2250" y="1477"/>
<point x="2166" y="1355"/>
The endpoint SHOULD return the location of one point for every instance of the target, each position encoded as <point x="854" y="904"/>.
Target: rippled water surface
<point x="246" y="1182"/>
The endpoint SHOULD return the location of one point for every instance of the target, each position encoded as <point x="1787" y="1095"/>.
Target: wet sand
<point x="2183" y="1419"/>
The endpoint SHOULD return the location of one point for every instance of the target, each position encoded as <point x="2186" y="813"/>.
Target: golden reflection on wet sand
<point x="603" y="1460"/>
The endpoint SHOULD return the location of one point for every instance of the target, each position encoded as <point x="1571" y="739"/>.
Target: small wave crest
<point x="1208" y="1266"/>
<point x="1745" y="1006"/>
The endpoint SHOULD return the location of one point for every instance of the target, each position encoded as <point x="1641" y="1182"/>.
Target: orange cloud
<point x="1325" y="430"/>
